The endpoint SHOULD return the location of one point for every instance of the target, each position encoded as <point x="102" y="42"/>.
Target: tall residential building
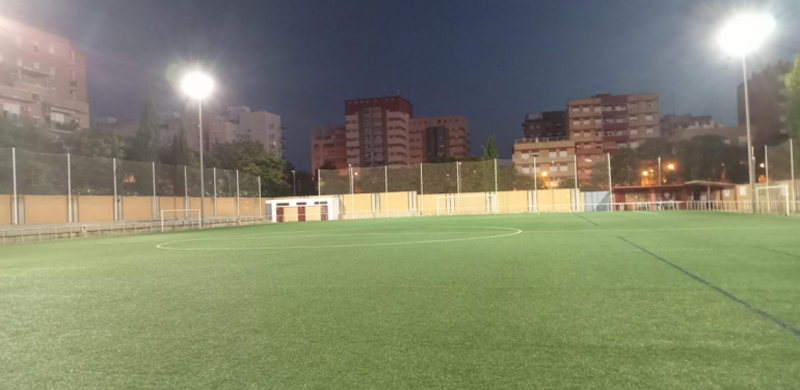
<point x="607" y="123"/>
<point x="42" y="77"/>
<point x="239" y="123"/>
<point x="547" y="124"/>
<point x="378" y="131"/>
<point x="439" y="136"/>
<point x="671" y="124"/>
<point x="556" y="157"/>
<point x="328" y="144"/>
<point x="767" y="91"/>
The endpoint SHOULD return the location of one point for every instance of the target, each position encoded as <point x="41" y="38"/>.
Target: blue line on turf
<point x="783" y="324"/>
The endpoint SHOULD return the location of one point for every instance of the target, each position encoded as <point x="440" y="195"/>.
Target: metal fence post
<point x="421" y="188"/>
<point x="187" y="204"/>
<point x="575" y="178"/>
<point x="386" y="185"/>
<point x="15" y="202"/>
<point x="69" y="188"/>
<point x="791" y="170"/>
<point x="610" y="185"/>
<point x="535" y="186"/>
<point x="155" y="199"/>
<point x="116" y="207"/>
<point x="260" y="213"/>
<point x="237" y="193"/>
<point x="214" y="206"/>
<point x="319" y="183"/>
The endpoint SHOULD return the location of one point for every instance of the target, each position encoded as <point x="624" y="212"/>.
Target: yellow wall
<point x="247" y="206"/>
<point x="95" y="208"/>
<point x="5" y="210"/>
<point x="45" y="209"/>
<point x="170" y="203"/>
<point x="398" y="201"/>
<point x="194" y="204"/>
<point x="512" y="201"/>
<point x="137" y="207"/>
<point x="290" y="214"/>
<point x="313" y="213"/>
<point x="544" y="201"/>
<point x="426" y="204"/>
<point x="361" y="203"/>
<point x="226" y="206"/>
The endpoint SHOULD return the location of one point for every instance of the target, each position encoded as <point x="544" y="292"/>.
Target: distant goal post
<point x="774" y="199"/>
<point x="189" y="215"/>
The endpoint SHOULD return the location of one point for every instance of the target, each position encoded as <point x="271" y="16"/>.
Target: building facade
<point x="607" y="123"/>
<point x="674" y="123"/>
<point x="440" y="136"/>
<point x="42" y="77"/>
<point x="239" y="123"/>
<point x="768" y="97"/>
<point x="377" y="131"/>
<point x="552" y="160"/>
<point x="734" y="136"/>
<point x="547" y="124"/>
<point x="328" y="144"/>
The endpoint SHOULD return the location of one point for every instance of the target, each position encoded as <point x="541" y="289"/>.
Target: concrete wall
<point x="395" y="201"/>
<point x="5" y="210"/>
<point x="95" y="208"/>
<point x="512" y="201"/>
<point x="226" y="206"/>
<point x="357" y="203"/>
<point x="194" y="203"/>
<point x="427" y="204"/>
<point x="313" y="213"/>
<point x="45" y="209"/>
<point x="137" y="207"/>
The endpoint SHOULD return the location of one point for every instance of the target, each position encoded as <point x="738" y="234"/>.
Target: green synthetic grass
<point x="574" y="301"/>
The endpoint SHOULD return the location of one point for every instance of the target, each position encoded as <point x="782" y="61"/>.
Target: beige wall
<point x="95" y="208"/>
<point x="45" y="209"/>
<point x="226" y="206"/>
<point x="426" y="204"/>
<point x="360" y="203"/>
<point x="5" y="210"/>
<point x="290" y="214"/>
<point x="512" y="201"/>
<point x="554" y="200"/>
<point x="473" y="204"/>
<point x="397" y="201"/>
<point x="170" y="203"/>
<point x="247" y="206"/>
<point x="313" y="213"/>
<point x="194" y="203"/>
<point x="137" y="207"/>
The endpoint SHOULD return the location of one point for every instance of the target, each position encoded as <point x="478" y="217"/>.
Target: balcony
<point x="540" y="139"/>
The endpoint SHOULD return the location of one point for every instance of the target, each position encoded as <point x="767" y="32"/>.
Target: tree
<point x="251" y="158"/>
<point x="24" y="134"/>
<point x="792" y="112"/>
<point x="147" y="142"/>
<point x="178" y="152"/>
<point x="96" y="143"/>
<point x="490" y="150"/>
<point x="708" y="157"/>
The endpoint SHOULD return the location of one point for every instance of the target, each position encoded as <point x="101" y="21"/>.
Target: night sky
<point x="492" y="61"/>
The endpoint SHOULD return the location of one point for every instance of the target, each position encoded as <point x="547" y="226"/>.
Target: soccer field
<point x="645" y="300"/>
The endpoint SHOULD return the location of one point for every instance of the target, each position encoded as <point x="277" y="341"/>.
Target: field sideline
<point x="655" y="300"/>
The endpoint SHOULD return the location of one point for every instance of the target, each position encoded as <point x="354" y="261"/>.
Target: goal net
<point x="773" y="199"/>
<point x="180" y="219"/>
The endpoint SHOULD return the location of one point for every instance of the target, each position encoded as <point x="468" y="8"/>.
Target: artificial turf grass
<point x="566" y="304"/>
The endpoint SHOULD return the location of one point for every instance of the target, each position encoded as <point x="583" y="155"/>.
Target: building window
<point x="585" y="109"/>
<point x="649" y="105"/>
<point x="552" y="154"/>
<point x="576" y="110"/>
<point x="587" y="122"/>
<point x="633" y="119"/>
<point x="598" y="146"/>
<point x="648" y="118"/>
<point x="634" y="145"/>
<point x="649" y="130"/>
<point x="634" y="131"/>
<point x="562" y="153"/>
<point x="598" y="121"/>
<point x="553" y="168"/>
<point x="576" y="122"/>
<point x="563" y="168"/>
<point x="598" y="109"/>
<point x="526" y="170"/>
<point x="526" y="156"/>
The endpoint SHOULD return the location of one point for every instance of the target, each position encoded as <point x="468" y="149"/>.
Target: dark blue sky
<point x="492" y="61"/>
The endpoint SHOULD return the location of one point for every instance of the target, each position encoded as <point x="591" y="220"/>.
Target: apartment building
<point x="768" y="97"/>
<point x="554" y="158"/>
<point x="671" y="124"/>
<point x="328" y="144"/>
<point x="607" y="123"/>
<point x="42" y="77"/>
<point x="239" y="123"/>
<point x="438" y="136"/>
<point x="547" y="124"/>
<point x="377" y="131"/>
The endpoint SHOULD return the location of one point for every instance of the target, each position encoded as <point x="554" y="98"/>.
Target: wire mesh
<point x="369" y="180"/>
<point x="169" y="180"/>
<point x="781" y="166"/>
<point x="440" y="178"/>
<point x="41" y="174"/>
<point x="248" y="185"/>
<point x="92" y="175"/>
<point x="477" y="176"/>
<point x="134" y="178"/>
<point x="511" y="178"/>
<point x="226" y="183"/>
<point x="404" y="178"/>
<point x="334" y="182"/>
<point x="6" y="171"/>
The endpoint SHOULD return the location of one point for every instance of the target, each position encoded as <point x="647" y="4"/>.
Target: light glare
<point x="197" y="85"/>
<point x="745" y="33"/>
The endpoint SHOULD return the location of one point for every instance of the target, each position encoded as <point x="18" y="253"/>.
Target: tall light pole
<point x="294" y="182"/>
<point x="198" y="85"/>
<point x="740" y="36"/>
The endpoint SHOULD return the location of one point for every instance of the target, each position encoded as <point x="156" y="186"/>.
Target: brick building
<point x="767" y="91"/>
<point x="439" y="136"/>
<point x="547" y="124"/>
<point x="328" y="144"/>
<point x="42" y="77"/>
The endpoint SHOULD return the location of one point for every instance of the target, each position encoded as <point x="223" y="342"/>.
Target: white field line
<point x="513" y="232"/>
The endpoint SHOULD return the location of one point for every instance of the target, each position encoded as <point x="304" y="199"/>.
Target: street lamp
<point x="294" y="182"/>
<point x="198" y="85"/>
<point x="742" y="35"/>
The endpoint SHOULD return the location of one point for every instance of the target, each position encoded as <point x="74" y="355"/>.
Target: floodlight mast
<point x="199" y="86"/>
<point x="740" y="36"/>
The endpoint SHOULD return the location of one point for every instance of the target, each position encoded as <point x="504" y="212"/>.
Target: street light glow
<point x="544" y="173"/>
<point x="197" y="85"/>
<point x="745" y="33"/>
<point x="671" y="167"/>
<point x="645" y="173"/>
